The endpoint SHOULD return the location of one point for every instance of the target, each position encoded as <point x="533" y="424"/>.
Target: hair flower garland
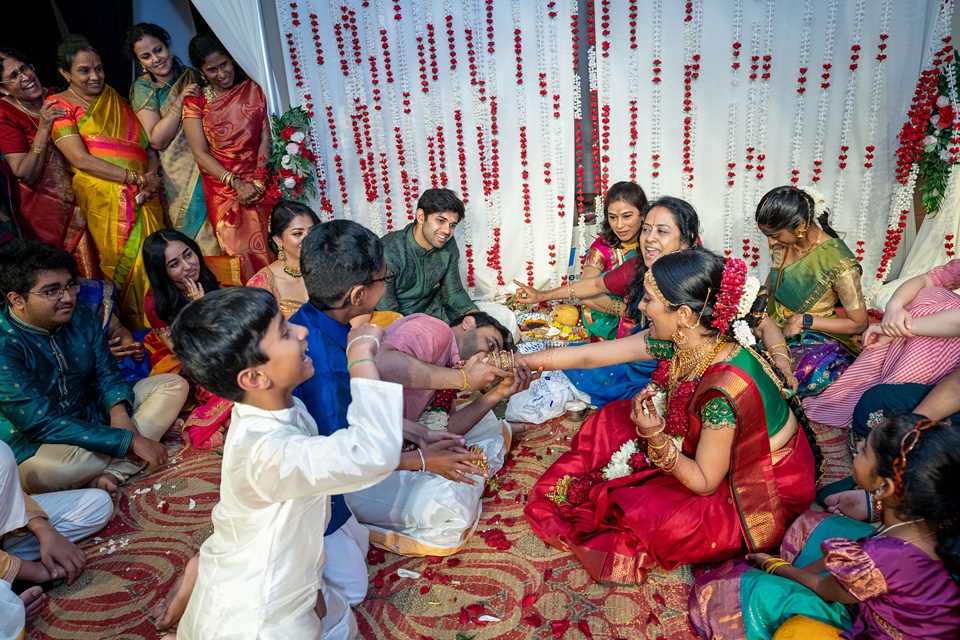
<point x="819" y="201"/>
<point x="289" y="171"/>
<point x="731" y="293"/>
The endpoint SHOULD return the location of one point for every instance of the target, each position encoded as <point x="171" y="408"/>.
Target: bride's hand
<point x="644" y="414"/>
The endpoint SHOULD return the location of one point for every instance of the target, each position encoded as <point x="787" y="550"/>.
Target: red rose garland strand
<point x="577" y="138"/>
<point x="594" y="101"/>
<point x="656" y="42"/>
<point x="691" y="71"/>
<point x="910" y="151"/>
<point x="306" y="99"/>
<point x="634" y="88"/>
<point x="801" y="89"/>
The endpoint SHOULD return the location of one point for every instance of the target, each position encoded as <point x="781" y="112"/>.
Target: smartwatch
<point x="807" y="321"/>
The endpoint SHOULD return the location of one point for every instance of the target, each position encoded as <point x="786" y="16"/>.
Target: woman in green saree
<point x="157" y="98"/>
<point x="813" y="272"/>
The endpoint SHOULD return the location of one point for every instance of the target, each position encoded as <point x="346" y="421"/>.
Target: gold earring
<point x="282" y="255"/>
<point x="679" y="337"/>
<point x="800" y="233"/>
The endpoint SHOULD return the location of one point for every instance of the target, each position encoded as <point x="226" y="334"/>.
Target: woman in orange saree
<point x="229" y="134"/>
<point x="115" y="172"/>
<point x="706" y="462"/>
<point x="44" y="204"/>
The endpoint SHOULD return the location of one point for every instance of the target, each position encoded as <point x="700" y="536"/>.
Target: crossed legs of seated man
<point x="67" y="412"/>
<point x="56" y="467"/>
<point x="37" y="534"/>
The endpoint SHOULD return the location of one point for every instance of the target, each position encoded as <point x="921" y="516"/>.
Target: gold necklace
<point x="800" y="253"/>
<point x="85" y="104"/>
<point x="689" y="364"/>
<point x="25" y="110"/>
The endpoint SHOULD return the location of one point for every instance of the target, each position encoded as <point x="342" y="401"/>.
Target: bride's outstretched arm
<point x="591" y="356"/>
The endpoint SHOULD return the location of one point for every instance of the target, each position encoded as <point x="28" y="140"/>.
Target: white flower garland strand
<point x="656" y="45"/>
<point x="801" y="92"/>
<point x="546" y="146"/>
<point x="866" y="187"/>
<point x="848" y="106"/>
<point x="692" y="31"/>
<point x="749" y="203"/>
<point x="559" y="153"/>
<point x="829" y="38"/>
<point x="728" y="196"/>
<point x="407" y="124"/>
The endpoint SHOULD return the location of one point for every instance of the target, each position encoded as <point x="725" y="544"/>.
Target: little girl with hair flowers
<point x="840" y="578"/>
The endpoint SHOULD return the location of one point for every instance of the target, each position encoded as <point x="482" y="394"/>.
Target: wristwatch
<point x="807" y="321"/>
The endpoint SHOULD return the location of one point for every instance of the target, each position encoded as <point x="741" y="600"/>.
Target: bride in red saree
<point x="706" y="463"/>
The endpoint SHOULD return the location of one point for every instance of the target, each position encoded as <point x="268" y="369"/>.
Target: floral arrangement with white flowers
<point x="289" y="169"/>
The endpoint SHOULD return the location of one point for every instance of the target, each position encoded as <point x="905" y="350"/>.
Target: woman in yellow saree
<point x="157" y="98"/>
<point x="115" y="172"/>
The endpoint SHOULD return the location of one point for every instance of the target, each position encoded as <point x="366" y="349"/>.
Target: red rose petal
<point x="559" y="627"/>
<point x="533" y="620"/>
<point x="453" y="562"/>
<point x="529" y="599"/>
<point x="584" y="628"/>
<point x="424" y="589"/>
<point x="434" y="559"/>
<point x="547" y="574"/>
<point x="475" y="609"/>
<point x="464" y="617"/>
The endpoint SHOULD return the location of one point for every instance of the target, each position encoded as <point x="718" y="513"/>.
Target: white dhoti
<point x="346" y="568"/>
<point x="417" y="514"/>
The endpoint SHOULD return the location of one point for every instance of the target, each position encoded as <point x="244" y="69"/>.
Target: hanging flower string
<point x="801" y="90"/>
<point x="866" y="186"/>
<point x="829" y="37"/>
<point x="849" y="103"/>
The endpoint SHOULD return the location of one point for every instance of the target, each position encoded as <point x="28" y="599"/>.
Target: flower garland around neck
<point x="436" y="417"/>
<point x="631" y="457"/>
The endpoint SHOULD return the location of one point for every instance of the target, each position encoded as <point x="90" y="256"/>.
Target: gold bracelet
<point x="571" y="294"/>
<point x="769" y="561"/>
<point x="779" y="344"/>
<point x="776" y="565"/>
<point x="658" y="447"/>
<point x="464" y="374"/>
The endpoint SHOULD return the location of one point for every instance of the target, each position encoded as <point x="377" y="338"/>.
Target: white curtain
<point x="239" y="26"/>
<point x="831" y="83"/>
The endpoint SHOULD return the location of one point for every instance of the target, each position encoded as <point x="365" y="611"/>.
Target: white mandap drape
<point x="482" y="97"/>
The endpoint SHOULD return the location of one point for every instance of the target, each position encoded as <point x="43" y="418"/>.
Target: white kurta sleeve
<point x="288" y="466"/>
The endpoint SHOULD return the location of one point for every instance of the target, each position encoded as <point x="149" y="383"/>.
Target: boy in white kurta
<point x="260" y="572"/>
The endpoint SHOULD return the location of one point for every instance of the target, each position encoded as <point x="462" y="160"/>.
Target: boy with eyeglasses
<point x="65" y="409"/>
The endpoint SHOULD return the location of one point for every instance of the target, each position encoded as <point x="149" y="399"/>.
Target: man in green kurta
<point x="426" y="261"/>
<point x="65" y="409"/>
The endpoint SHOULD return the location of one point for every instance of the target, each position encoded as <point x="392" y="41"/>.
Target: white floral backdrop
<point x="715" y="102"/>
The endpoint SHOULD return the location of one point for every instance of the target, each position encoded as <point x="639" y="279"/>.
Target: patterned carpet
<point x="506" y="583"/>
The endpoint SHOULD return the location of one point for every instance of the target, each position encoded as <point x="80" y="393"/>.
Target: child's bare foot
<point x="852" y="504"/>
<point x="107" y="482"/>
<point x="169" y="610"/>
<point x="33" y="600"/>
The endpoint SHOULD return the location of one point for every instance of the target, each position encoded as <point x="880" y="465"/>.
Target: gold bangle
<point x="779" y="344"/>
<point x="658" y="447"/>
<point x="571" y="294"/>
<point x="464" y="374"/>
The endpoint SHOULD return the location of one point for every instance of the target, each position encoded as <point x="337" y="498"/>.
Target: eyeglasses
<point x="54" y="295"/>
<point x="24" y="70"/>
<point x="387" y="278"/>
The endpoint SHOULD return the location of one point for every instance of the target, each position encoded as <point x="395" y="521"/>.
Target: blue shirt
<point x="326" y="394"/>
<point x="58" y="388"/>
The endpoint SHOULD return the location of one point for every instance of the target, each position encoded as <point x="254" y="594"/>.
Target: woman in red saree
<point x="705" y="463"/>
<point x="115" y="172"/>
<point x="229" y="134"/>
<point x="45" y="206"/>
